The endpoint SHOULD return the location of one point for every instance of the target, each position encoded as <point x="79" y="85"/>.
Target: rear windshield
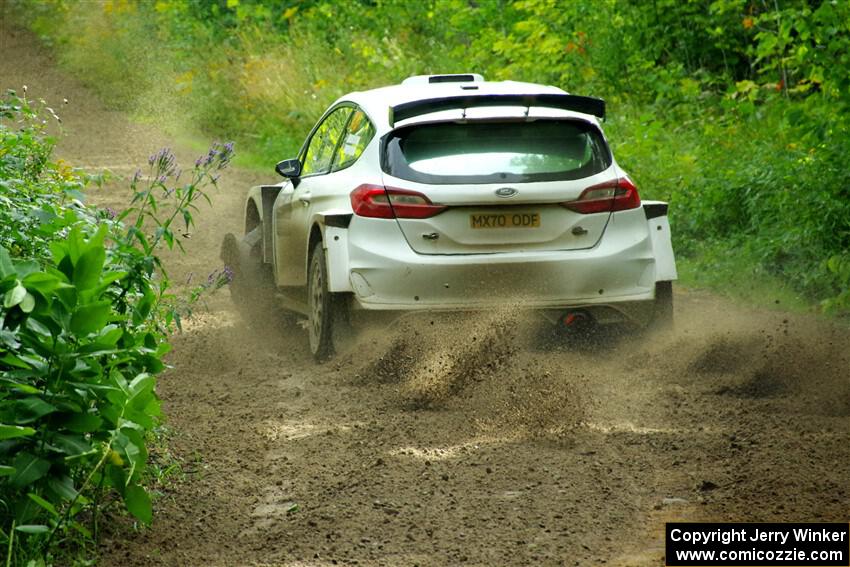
<point x="491" y="152"/>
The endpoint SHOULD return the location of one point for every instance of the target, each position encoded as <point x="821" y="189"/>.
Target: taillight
<point x="388" y="202"/>
<point x="615" y="195"/>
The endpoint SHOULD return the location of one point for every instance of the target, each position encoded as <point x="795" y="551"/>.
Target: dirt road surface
<point x="470" y="442"/>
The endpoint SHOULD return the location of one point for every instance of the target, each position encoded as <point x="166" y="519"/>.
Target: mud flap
<point x="336" y="251"/>
<point x="662" y="246"/>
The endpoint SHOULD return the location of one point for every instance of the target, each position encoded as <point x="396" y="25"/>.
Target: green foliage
<point x="839" y="267"/>
<point x="36" y="194"/>
<point x="79" y="380"/>
<point x="84" y="318"/>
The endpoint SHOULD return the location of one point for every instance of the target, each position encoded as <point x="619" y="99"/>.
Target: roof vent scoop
<point x="430" y="79"/>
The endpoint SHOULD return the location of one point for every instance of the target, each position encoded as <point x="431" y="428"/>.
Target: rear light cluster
<point x="377" y="201"/>
<point x="615" y="195"/>
<point x="381" y="202"/>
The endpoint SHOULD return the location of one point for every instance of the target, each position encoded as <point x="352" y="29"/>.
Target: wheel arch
<point x="316" y="235"/>
<point x="254" y="210"/>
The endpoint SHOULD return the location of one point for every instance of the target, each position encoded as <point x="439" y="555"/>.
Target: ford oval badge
<point x="506" y="192"/>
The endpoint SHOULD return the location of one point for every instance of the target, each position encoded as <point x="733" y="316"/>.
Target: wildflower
<point x="137" y="176"/>
<point x="163" y="162"/>
<point x="110" y="213"/>
<point x="211" y="155"/>
<point x="228" y="274"/>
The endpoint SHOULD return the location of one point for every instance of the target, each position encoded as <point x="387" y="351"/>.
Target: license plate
<point x="506" y="220"/>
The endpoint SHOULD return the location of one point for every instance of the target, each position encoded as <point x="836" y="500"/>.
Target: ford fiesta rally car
<point x="452" y="193"/>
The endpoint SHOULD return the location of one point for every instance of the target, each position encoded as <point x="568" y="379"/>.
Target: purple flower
<point x="163" y="162"/>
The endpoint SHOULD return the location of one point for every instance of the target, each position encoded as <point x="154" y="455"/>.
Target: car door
<point x="292" y="216"/>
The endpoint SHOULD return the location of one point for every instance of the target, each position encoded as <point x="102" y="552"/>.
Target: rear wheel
<point x="662" y="317"/>
<point x="324" y="307"/>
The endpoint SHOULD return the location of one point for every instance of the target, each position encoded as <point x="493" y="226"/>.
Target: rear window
<point x="491" y="152"/>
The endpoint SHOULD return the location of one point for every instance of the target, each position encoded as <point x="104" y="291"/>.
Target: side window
<point x="357" y="136"/>
<point x="320" y="152"/>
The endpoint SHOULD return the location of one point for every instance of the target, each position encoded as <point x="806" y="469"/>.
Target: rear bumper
<point x="618" y="273"/>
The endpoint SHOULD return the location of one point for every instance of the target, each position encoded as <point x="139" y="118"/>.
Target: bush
<point x="84" y="319"/>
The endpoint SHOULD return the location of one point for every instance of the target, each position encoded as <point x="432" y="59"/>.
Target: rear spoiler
<point x="574" y="103"/>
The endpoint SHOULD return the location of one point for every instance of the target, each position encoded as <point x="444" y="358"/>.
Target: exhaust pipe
<point x="576" y="321"/>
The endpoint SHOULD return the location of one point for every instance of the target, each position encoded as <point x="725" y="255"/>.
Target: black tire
<point x="324" y="308"/>
<point x="662" y="317"/>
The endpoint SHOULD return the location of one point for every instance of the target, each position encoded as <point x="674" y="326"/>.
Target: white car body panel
<point x="296" y="214"/>
<point x="387" y="274"/>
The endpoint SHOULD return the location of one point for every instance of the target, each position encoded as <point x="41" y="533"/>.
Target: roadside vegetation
<point x="84" y="321"/>
<point x="734" y="110"/>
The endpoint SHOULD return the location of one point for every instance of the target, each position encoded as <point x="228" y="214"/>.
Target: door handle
<point x="305" y="198"/>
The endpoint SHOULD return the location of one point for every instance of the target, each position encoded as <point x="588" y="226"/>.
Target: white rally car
<point x="452" y="193"/>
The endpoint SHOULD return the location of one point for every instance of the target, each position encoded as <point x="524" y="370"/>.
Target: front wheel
<point x="324" y="308"/>
<point x="252" y="286"/>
